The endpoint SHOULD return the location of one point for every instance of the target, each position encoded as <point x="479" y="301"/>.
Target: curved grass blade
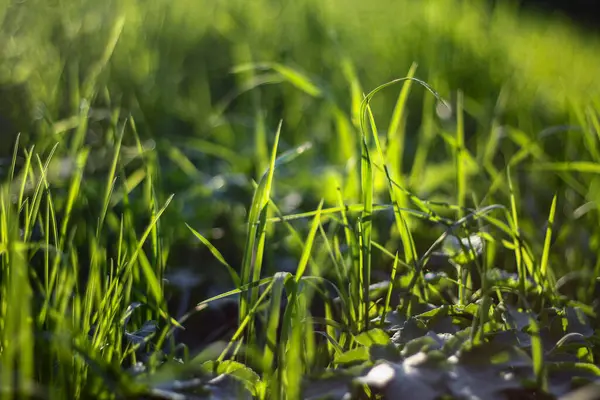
<point x="234" y="275"/>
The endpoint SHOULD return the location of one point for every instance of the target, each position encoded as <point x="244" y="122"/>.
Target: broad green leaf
<point x="357" y="355"/>
<point x="373" y="336"/>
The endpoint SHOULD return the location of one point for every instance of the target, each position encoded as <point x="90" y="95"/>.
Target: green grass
<point x="396" y="197"/>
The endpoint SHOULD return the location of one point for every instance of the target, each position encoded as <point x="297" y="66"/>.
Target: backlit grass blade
<point x="461" y="182"/>
<point x="461" y="178"/>
<point x="584" y="118"/>
<point x="110" y="179"/>
<point x="356" y="93"/>
<point x="516" y="234"/>
<point x="365" y="113"/>
<point x="346" y="136"/>
<point x="51" y="236"/>
<point x="179" y="158"/>
<point x="365" y="227"/>
<point x="396" y="145"/>
<point x="73" y="191"/>
<point x="273" y="320"/>
<point x="260" y="200"/>
<point x="547" y="243"/>
<point x="259" y="254"/>
<point x="528" y="146"/>
<point x="62" y="238"/>
<point x="16" y="333"/>
<point x="351" y="242"/>
<point x="36" y="199"/>
<point x="339" y="271"/>
<point x="594" y="117"/>
<point x="153" y="283"/>
<point x="291" y="75"/>
<point x="291" y="352"/>
<point x="13" y="162"/>
<point x="295" y="235"/>
<point x="214" y="149"/>
<point x="568" y="166"/>
<point x="232" y="292"/>
<point x="333" y="346"/>
<point x="388" y="296"/>
<point x="369" y="96"/>
<point x="151" y="198"/>
<point x="402" y="226"/>
<point x="351" y="208"/>
<point x="308" y="244"/>
<point x="426" y="137"/>
<point x="297" y="79"/>
<point x="217" y="254"/>
<point x="100" y="64"/>
<point x="305" y="330"/>
<point x="260" y="143"/>
<point x="25" y="177"/>
<point x="203" y="304"/>
<point x="537" y="355"/>
<point x="247" y="319"/>
<point x="544" y="161"/>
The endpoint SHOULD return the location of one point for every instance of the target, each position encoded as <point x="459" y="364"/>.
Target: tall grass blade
<point x="271" y="345"/>
<point x="516" y="233"/>
<point x="152" y="281"/>
<point x="459" y="150"/>
<point x="365" y="227"/>
<point x="547" y="243"/>
<point x="250" y="269"/>
<point x="110" y="179"/>
<point x="396" y="142"/>
<point x="308" y="244"/>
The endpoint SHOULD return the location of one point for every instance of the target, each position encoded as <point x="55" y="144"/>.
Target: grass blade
<point x="234" y="275"/>
<point x="250" y="269"/>
<point x="396" y="133"/>
<point x="547" y="242"/>
<point x="309" y="243"/>
<point x="151" y="278"/>
<point x="365" y="226"/>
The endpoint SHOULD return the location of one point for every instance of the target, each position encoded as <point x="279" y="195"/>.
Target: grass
<point x="389" y="206"/>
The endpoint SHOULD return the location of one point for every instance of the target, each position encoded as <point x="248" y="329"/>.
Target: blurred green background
<point x="207" y="83"/>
